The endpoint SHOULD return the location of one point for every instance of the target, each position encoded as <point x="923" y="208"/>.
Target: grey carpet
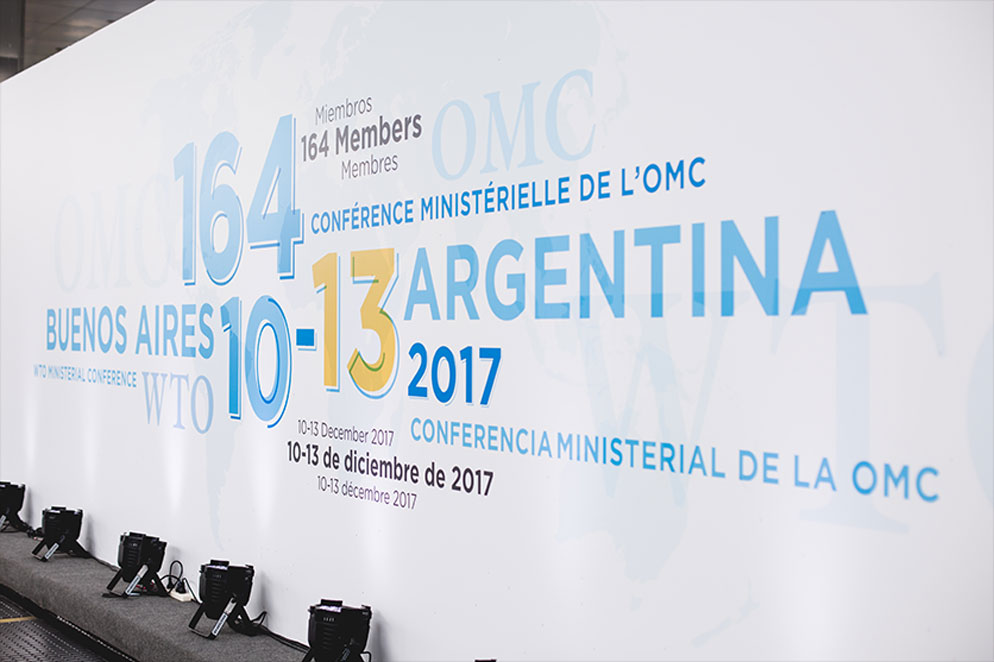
<point x="150" y="629"/>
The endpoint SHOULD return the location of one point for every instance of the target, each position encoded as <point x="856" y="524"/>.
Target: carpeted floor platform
<point x="150" y="629"/>
<point x="24" y="637"/>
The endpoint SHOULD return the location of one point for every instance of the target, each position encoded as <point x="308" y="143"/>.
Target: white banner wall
<point x="550" y="331"/>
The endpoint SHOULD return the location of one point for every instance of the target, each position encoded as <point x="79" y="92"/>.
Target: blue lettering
<point x="770" y="468"/>
<point x="552" y="117"/>
<point x="733" y="248"/>
<point x="436" y="143"/>
<point x="829" y="232"/>
<point x="426" y="295"/>
<point x="918" y="484"/>
<point x="655" y="238"/>
<point x="855" y="478"/>
<point x="743" y="456"/>
<point x="590" y="260"/>
<point x="526" y="108"/>
<point x="461" y="288"/>
<point x="187" y="328"/>
<point x="515" y="282"/>
<point x="545" y="277"/>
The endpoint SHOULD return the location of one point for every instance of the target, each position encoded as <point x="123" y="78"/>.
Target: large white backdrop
<point x="724" y="273"/>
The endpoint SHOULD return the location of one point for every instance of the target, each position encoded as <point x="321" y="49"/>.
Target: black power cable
<point x="258" y="623"/>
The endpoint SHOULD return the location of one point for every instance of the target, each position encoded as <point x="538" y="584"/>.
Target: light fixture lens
<point x="11" y="502"/>
<point x="129" y="554"/>
<point x="338" y="632"/>
<point x="220" y="582"/>
<point x="61" y="522"/>
<point x="137" y="550"/>
<point x="214" y="587"/>
<point x="11" y="498"/>
<point x="60" y="527"/>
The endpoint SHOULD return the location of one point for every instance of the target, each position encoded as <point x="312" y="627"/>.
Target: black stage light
<point x="60" y="531"/>
<point x="11" y="502"/>
<point x="224" y="591"/>
<point x="337" y="633"/>
<point x="139" y="557"/>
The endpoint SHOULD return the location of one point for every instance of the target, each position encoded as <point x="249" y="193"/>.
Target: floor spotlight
<point x="336" y="632"/>
<point x="224" y="592"/>
<point x="11" y="502"/>
<point x="60" y="528"/>
<point x="139" y="557"/>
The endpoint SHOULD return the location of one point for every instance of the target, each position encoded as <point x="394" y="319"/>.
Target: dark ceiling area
<point x="32" y="30"/>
